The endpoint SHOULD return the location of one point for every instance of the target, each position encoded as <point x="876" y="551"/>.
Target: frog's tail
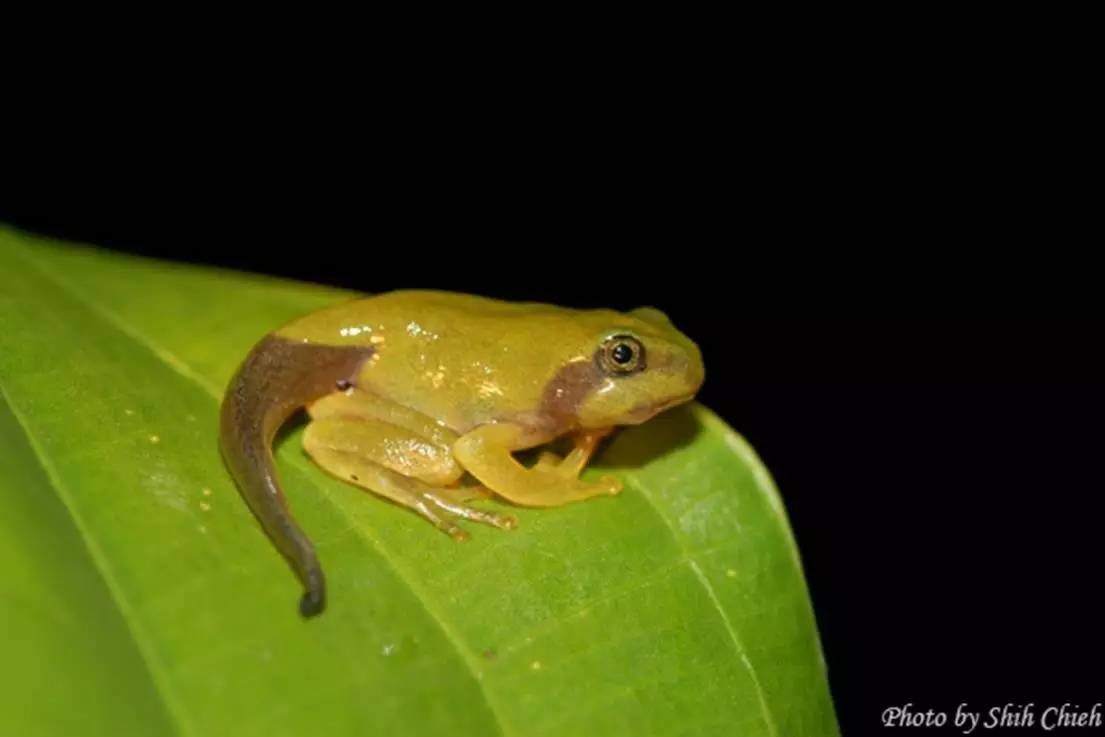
<point x="277" y="378"/>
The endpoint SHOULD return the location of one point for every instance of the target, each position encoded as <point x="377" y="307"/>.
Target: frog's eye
<point x="622" y="354"/>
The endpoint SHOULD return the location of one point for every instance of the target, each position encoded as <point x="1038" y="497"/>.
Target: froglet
<point x="408" y="391"/>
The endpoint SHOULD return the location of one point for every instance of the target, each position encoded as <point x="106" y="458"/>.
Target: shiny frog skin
<point x="407" y="391"/>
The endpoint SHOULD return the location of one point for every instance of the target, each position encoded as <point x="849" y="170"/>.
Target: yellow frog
<point x="409" y="390"/>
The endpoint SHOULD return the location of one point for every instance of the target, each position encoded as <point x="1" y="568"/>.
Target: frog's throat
<point x="645" y="412"/>
<point x="278" y="377"/>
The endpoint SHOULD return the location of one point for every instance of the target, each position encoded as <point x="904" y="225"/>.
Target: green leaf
<point x="140" y="596"/>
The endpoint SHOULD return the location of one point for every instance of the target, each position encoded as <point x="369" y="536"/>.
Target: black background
<point x="935" y="427"/>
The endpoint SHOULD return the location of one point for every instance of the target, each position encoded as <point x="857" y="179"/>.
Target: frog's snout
<point x="690" y="375"/>
<point x="695" y="375"/>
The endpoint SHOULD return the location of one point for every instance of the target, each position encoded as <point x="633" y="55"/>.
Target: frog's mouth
<point x="644" y="412"/>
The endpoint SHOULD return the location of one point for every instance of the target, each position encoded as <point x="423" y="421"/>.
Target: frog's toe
<point x="446" y="503"/>
<point x="453" y="531"/>
<point x="502" y="521"/>
<point x="606" y="485"/>
<point x="613" y="485"/>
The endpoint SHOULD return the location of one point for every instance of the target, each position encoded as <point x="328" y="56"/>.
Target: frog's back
<point x="356" y="322"/>
<point x="458" y="358"/>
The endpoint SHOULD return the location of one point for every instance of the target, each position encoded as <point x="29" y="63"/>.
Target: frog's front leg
<point x="571" y="465"/>
<point x="487" y="453"/>
<point x="347" y="439"/>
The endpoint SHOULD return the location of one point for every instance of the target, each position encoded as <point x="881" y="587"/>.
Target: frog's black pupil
<point x="622" y="353"/>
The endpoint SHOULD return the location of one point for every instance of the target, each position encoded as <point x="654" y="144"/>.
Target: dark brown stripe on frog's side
<point x="278" y="377"/>
<point x="567" y="391"/>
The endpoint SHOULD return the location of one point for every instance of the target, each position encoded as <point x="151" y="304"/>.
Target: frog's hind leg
<point x="462" y="494"/>
<point x="396" y="453"/>
<point x="439" y="506"/>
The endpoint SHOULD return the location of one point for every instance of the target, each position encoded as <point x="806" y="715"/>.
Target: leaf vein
<point x="738" y="645"/>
